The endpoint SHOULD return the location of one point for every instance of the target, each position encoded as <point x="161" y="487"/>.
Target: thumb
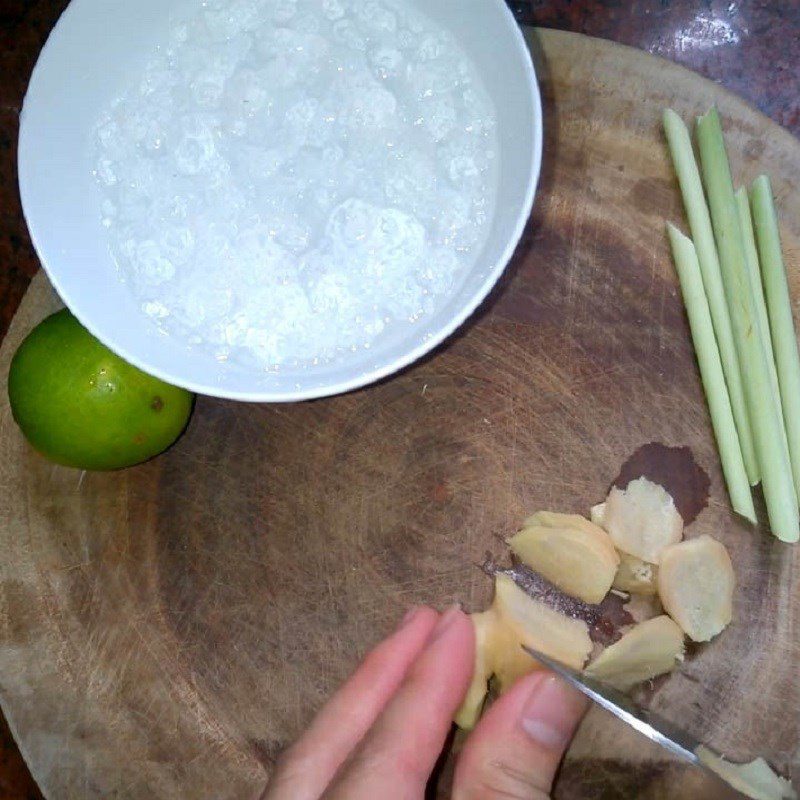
<point x="516" y="748"/>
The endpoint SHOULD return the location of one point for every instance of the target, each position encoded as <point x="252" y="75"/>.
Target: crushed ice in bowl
<point x="288" y="181"/>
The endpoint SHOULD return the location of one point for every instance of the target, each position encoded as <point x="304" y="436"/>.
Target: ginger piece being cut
<point x="635" y="576"/>
<point x="532" y="623"/>
<point x="570" y="552"/>
<point x="642" y="519"/>
<point x="472" y="705"/>
<point x="516" y="619"/>
<point x="695" y="583"/>
<point x="648" y="649"/>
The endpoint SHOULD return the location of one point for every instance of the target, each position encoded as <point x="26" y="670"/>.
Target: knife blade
<point x="658" y="730"/>
<point x="664" y="733"/>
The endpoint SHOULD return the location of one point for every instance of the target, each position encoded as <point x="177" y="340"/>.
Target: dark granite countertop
<point x="750" y="46"/>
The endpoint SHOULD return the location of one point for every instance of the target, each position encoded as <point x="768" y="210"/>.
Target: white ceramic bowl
<point x="84" y="65"/>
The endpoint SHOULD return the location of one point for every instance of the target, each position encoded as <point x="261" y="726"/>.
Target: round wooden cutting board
<point x="166" y="630"/>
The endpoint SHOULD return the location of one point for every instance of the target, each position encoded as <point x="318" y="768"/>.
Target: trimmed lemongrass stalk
<point x="766" y="423"/>
<point x="754" y="274"/>
<point x="680" y="146"/>
<point x="711" y="372"/>
<point x="784" y="338"/>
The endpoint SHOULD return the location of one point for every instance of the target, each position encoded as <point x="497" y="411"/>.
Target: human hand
<point x="380" y="735"/>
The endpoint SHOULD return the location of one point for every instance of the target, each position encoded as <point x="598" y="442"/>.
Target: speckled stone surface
<point x="750" y="46"/>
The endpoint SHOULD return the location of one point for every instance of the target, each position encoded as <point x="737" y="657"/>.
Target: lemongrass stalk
<point x="711" y="372"/>
<point x="757" y="288"/>
<point x="766" y="423"/>
<point x="754" y="274"/>
<point x="784" y="338"/>
<point x="694" y="201"/>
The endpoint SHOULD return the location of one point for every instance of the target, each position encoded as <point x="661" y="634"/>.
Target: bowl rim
<point x="313" y="392"/>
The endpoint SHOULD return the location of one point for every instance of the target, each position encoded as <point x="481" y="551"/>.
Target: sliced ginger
<point x="648" y="649"/>
<point x="633" y="543"/>
<point x="642" y="519"/>
<point x="516" y="619"/>
<point x="636" y="576"/>
<point x="555" y="519"/>
<point x="695" y="583"/>
<point x="569" y="551"/>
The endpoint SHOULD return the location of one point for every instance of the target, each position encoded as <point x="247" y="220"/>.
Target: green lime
<point x="82" y="406"/>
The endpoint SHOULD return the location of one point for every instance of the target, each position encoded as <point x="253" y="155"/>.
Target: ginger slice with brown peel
<point x="635" y="576"/>
<point x="469" y="712"/>
<point x="648" y="649"/>
<point x="642" y="519"/>
<point x="755" y="779"/>
<point x="581" y="560"/>
<point x="695" y="583"/>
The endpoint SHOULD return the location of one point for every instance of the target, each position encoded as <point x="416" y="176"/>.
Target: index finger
<point x="307" y="767"/>
<point x="397" y="756"/>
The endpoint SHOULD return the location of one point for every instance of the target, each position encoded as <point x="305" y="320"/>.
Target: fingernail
<point x="411" y="614"/>
<point x="549" y="716"/>
<point x="445" y="622"/>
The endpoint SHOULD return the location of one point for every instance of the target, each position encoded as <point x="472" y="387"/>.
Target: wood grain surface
<point x="166" y="630"/>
